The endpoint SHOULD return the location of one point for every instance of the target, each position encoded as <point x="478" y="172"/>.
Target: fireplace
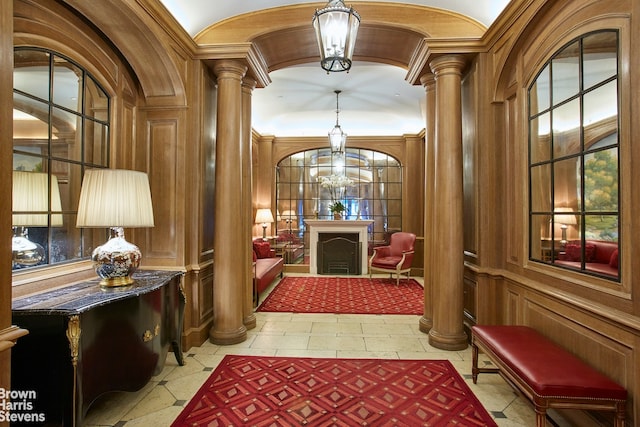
<point x="339" y="228"/>
<point x="339" y="253"/>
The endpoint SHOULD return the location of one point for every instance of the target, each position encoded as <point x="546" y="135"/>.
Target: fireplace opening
<point x="338" y="253"/>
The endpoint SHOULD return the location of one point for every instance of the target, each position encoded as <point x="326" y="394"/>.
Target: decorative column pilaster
<point x="249" y="317"/>
<point x="429" y="83"/>
<point x="229" y="240"/>
<point x="446" y="243"/>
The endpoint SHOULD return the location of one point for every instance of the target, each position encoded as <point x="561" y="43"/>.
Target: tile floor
<point x="304" y="335"/>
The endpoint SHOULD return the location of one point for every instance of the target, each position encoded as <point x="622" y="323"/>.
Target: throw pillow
<point x="573" y="251"/>
<point x="589" y="252"/>
<point x="263" y="249"/>
<point x="613" y="262"/>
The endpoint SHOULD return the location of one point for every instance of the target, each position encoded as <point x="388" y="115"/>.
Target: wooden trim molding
<point x="9" y="337"/>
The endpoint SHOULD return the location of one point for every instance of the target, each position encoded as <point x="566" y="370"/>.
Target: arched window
<point x="60" y="127"/>
<point x="573" y="157"/>
<point x="368" y="183"/>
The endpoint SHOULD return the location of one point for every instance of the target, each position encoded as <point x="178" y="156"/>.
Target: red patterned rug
<point x="352" y="295"/>
<point x="280" y="391"/>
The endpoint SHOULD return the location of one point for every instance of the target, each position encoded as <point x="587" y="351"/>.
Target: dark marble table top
<point x="82" y="296"/>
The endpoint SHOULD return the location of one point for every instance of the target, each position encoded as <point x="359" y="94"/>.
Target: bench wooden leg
<point x="474" y="363"/>
<point x="541" y="417"/>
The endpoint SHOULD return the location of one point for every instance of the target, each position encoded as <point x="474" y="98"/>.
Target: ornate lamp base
<point x="25" y="253"/>
<point x="116" y="260"/>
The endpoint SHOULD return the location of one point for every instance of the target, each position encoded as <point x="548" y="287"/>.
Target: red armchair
<point x="394" y="258"/>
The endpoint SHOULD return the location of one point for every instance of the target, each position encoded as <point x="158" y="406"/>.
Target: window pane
<point x="566" y="183"/>
<point x="26" y="162"/>
<point x="540" y="138"/>
<point x="600" y="57"/>
<point x="601" y="113"/>
<point x="601" y="181"/>
<point x="67" y="79"/>
<point x="601" y="227"/>
<point x="96" y="101"/>
<point x="30" y="124"/>
<point x="540" y="238"/>
<point x="96" y="143"/>
<point x="565" y="72"/>
<point x="539" y="95"/>
<point x="31" y="73"/>
<point x="566" y="129"/>
<point x="541" y="188"/>
<point x="66" y="129"/>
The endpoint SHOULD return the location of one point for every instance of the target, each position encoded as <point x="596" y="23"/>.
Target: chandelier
<point x="336" y="28"/>
<point x="337" y="138"/>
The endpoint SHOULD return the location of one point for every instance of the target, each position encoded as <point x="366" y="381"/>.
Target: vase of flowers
<point x="336" y="185"/>
<point x="337" y="208"/>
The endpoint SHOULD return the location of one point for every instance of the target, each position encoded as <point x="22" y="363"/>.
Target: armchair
<point x="394" y="258"/>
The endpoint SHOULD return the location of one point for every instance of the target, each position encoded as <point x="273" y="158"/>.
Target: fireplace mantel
<point x="317" y="226"/>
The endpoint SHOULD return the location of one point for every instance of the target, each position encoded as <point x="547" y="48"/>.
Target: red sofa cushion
<point x="574" y="252"/>
<point x="613" y="261"/>
<point x="262" y="249"/>
<point x="549" y="369"/>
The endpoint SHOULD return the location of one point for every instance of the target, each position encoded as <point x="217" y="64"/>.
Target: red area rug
<point x="352" y="295"/>
<point x="280" y="391"/>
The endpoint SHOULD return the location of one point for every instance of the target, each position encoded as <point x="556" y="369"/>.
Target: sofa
<point x="267" y="266"/>
<point x="600" y="256"/>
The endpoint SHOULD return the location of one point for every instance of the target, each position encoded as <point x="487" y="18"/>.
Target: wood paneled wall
<point x="596" y="319"/>
<point x="164" y="124"/>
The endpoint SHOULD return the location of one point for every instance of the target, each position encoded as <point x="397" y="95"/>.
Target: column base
<point x="450" y="342"/>
<point x="249" y="322"/>
<point x="425" y="325"/>
<point x="228" y="337"/>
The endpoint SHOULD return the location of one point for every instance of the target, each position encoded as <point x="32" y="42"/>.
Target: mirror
<point x="367" y="183"/>
<point x="60" y="127"/>
<point x="573" y="156"/>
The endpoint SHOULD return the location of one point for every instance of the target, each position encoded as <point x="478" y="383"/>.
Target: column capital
<point x="228" y="68"/>
<point x="249" y="83"/>
<point x="428" y="80"/>
<point x="447" y="64"/>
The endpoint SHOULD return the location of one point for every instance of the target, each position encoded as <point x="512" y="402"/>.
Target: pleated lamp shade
<point x="115" y="198"/>
<point x="31" y="200"/>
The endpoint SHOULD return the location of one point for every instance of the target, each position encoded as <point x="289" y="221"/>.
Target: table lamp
<point x="114" y="199"/>
<point x="264" y="216"/>
<point x="30" y="204"/>
<point x="289" y="216"/>
<point x="564" y="219"/>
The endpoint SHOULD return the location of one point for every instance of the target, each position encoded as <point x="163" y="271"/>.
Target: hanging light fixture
<point x="337" y="138"/>
<point x="336" y="29"/>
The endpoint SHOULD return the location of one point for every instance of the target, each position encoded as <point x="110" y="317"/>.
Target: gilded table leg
<point x="73" y="335"/>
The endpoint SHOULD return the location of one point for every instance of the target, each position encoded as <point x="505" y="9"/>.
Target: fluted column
<point x="229" y="244"/>
<point x="447" y="245"/>
<point x="429" y="83"/>
<point x="249" y="319"/>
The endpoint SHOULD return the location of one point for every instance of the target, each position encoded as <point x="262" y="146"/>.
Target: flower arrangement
<point x="336" y="185"/>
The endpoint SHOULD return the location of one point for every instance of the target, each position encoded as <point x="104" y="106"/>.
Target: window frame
<point x="91" y="122"/>
<point x="586" y="148"/>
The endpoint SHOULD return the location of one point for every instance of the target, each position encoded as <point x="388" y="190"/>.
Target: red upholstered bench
<point x="550" y="376"/>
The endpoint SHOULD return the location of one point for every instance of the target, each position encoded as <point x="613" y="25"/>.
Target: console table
<point x="85" y="340"/>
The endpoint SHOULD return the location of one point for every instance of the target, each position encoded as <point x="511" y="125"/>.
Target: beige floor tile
<point x="287" y="327"/>
<point x="394" y="343"/>
<point x="156" y="400"/>
<point x="336" y="328"/>
<point x="336" y="343"/>
<point x="280" y="342"/>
